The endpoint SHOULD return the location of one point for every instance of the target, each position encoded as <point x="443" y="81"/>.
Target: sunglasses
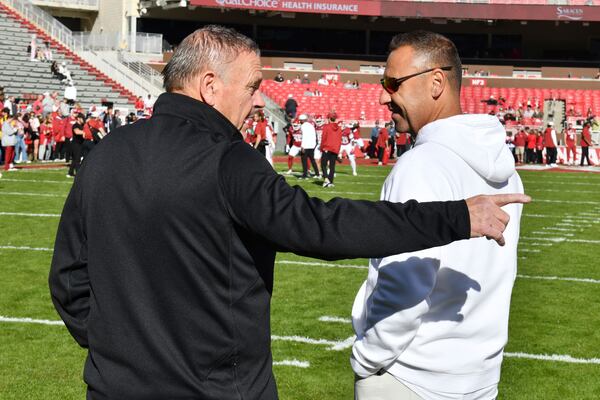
<point x="391" y="85"/>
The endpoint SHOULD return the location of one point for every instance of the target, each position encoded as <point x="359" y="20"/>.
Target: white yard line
<point x="30" y="321"/>
<point x="292" y="363"/>
<point x="561" y="239"/>
<point x="25" y="248"/>
<point x="540" y="244"/>
<point x="17" y="214"/>
<point x="322" y="264"/>
<point x="32" y="194"/>
<point x="525" y="250"/>
<point x="333" y="192"/>
<point x="564" y="201"/>
<point x="34" y="181"/>
<point x="563" y="183"/>
<point x="332" y="344"/>
<point x="559" y="278"/>
<point x="551" y="233"/>
<point x="554" y="357"/>
<point x="551" y="228"/>
<point x="327" y="318"/>
<point x="558" y="190"/>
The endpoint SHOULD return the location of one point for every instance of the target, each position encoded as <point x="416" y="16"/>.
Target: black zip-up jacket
<point x="163" y="262"/>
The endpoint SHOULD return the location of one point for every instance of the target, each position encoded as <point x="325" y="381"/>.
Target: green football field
<point x="554" y="341"/>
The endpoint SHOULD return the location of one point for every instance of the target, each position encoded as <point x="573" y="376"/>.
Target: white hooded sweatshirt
<point x="437" y="319"/>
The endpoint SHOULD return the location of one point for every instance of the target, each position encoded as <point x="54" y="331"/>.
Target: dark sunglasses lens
<point x="389" y="84"/>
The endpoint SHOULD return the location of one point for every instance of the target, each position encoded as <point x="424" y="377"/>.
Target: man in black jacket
<point x="162" y="267"/>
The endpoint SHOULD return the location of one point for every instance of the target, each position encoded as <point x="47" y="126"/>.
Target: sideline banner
<point x="351" y="7"/>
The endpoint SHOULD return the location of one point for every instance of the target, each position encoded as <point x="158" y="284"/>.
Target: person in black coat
<point x="163" y="269"/>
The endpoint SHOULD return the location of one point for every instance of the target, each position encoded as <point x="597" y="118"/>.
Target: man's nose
<point x="384" y="98"/>
<point x="257" y="100"/>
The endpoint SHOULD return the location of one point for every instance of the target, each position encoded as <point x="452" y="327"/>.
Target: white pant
<point x="294" y="151"/>
<point x="382" y="387"/>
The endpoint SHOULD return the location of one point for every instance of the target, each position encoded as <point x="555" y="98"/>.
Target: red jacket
<point x="531" y="140"/>
<point x="383" y="138"/>
<point x="548" y="142"/>
<point x="586" y="138"/>
<point x="331" y="140"/>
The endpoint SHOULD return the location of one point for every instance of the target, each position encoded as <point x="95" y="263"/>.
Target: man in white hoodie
<point x="433" y="324"/>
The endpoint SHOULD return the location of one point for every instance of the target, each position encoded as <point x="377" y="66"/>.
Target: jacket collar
<point x="185" y="107"/>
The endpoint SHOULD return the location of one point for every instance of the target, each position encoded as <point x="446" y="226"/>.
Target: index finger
<point x="504" y="199"/>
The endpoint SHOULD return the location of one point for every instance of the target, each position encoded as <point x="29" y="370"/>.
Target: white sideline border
<point x="30" y="321"/>
<point x="35" y="180"/>
<point x="19" y="214"/>
<point x="292" y="363"/>
<point x="32" y="194"/>
<point x="27" y="248"/>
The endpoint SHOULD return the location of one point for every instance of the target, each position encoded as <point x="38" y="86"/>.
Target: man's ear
<point x="208" y="87"/>
<point x="438" y="83"/>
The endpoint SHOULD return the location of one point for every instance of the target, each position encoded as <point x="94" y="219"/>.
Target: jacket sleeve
<point x="292" y="221"/>
<point x="69" y="280"/>
<point x="399" y="299"/>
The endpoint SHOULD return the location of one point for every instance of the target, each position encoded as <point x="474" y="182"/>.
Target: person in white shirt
<point x="70" y="93"/>
<point x="309" y="143"/>
<point x="323" y="81"/>
<point x="433" y="324"/>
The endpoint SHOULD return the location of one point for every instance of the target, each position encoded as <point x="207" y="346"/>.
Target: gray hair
<point x="212" y="47"/>
<point x="435" y="50"/>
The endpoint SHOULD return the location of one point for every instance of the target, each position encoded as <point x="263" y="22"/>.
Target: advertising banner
<point x="351" y="7"/>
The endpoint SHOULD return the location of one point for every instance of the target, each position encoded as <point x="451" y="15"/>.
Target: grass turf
<point x="547" y="316"/>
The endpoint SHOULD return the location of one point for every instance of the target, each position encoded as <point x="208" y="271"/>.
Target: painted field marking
<point x="322" y="264"/>
<point x="31" y="194"/>
<point x="30" y="321"/>
<point x="560" y="229"/>
<point x="566" y="183"/>
<point x="565" y="201"/>
<point x="537" y="215"/>
<point x="554" y="357"/>
<point x="333" y="345"/>
<point x="327" y="318"/>
<point x="293" y="363"/>
<point x="17" y="214"/>
<point x="332" y="192"/>
<point x="566" y="224"/>
<point x="551" y="233"/>
<point x="35" y="181"/>
<point x="540" y="244"/>
<point x="525" y="250"/>
<point x="558" y="278"/>
<point x="25" y="248"/>
<point x="561" y="239"/>
<point x="557" y="190"/>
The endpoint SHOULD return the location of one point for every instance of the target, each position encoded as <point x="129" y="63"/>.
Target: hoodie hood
<point x="478" y="139"/>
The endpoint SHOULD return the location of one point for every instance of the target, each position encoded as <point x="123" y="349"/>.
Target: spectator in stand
<point x="131" y="118"/>
<point x="308" y="92"/>
<point x="4" y="116"/>
<point x="64" y="71"/>
<point x="76" y="144"/>
<point x="55" y="71"/>
<point x="586" y="142"/>
<point x="291" y="107"/>
<point x="528" y="113"/>
<point x="32" y="48"/>
<point x="531" y="140"/>
<point x="323" y="81"/>
<point x="537" y="113"/>
<point x="47" y="52"/>
<point x="9" y="140"/>
<point x="139" y="105"/>
<point x="550" y="142"/>
<point x="491" y="101"/>
<point x="305" y="80"/>
<point x="70" y="93"/>
<point x="382" y="142"/>
<point x="372" y="151"/>
<point x="279" y="78"/>
<point x="401" y="143"/>
<point x="93" y="132"/>
<point x="45" y="140"/>
<point x="519" y="141"/>
<point x="58" y="137"/>
<point x="570" y="137"/>
<point x="355" y="84"/>
<point x="590" y="113"/>
<point x="148" y="104"/>
<point x="331" y="140"/>
<point x="297" y="80"/>
<point x="348" y="85"/>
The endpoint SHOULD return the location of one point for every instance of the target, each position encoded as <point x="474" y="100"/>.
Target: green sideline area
<point x="552" y="320"/>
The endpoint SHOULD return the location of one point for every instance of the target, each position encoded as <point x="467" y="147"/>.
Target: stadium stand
<point x="24" y="78"/>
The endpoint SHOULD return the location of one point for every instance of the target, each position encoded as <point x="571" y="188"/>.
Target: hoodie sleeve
<point x="392" y="313"/>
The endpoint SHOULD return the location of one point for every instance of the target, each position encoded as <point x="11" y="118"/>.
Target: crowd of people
<point x="52" y="130"/>
<point x="527" y="145"/>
